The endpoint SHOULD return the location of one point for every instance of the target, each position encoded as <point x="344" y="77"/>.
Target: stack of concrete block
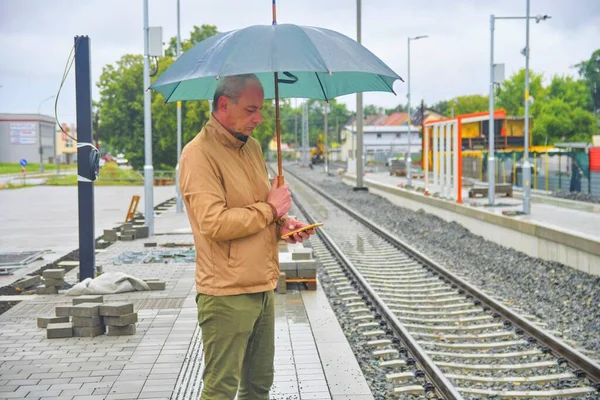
<point x="297" y="262"/>
<point x="306" y="269"/>
<point x="27" y="284"/>
<point x="287" y="265"/>
<point x="127" y="232"/>
<point x="86" y="320"/>
<point x="141" y="231"/>
<point x="53" y="280"/>
<point x="281" y="283"/>
<point x="119" y="318"/>
<point x="90" y="317"/>
<point x="155" y="284"/>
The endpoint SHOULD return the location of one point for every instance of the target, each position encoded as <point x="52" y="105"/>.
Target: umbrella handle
<point x="280" y="180"/>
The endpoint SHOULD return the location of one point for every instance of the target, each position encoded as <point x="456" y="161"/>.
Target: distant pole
<point x="423" y="155"/>
<point x="179" y="203"/>
<point x="526" y="165"/>
<point x="296" y="129"/>
<point x="85" y="186"/>
<point x="325" y="134"/>
<point x="41" y="147"/>
<point x="409" y="156"/>
<point x="148" y="168"/>
<point x="305" y="134"/>
<point x="359" y="114"/>
<point x="491" y="133"/>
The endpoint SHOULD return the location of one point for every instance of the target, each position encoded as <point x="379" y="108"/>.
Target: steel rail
<point x="442" y="385"/>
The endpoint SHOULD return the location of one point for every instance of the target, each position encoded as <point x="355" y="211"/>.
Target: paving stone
<point x="157" y="285"/>
<point x="85" y="310"/>
<point x="120" y="330"/>
<point x="54" y="282"/>
<point x="54" y="273"/>
<point x="306" y="264"/>
<point x="110" y="235"/>
<point x="63" y="311"/>
<point x="150" y="244"/>
<point x="302" y="254"/>
<point x="26" y="282"/>
<point x="63" y="330"/>
<point x="281" y="284"/>
<point x="123" y="320"/>
<point x="307" y="273"/>
<point x="289" y="267"/>
<point x="87" y="322"/>
<point x="115" y="309"/>
<point x="88" y="331"/>
<point x="127" y="226"/>
<point x="68" y="263"/>
<point x="46" y="290"/>
<point x="42" y="322"/>
<point x="141" y="231"/>
<point x="88" y="299"/>
<point x="126" y="238"/>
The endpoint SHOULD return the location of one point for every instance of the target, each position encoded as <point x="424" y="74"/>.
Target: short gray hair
<point x="232" y="87"/>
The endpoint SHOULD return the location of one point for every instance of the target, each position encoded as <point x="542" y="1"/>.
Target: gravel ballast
<point x="567" y="300"/>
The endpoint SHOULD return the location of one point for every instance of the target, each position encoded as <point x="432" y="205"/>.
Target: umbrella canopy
<point x="312" y="63"/>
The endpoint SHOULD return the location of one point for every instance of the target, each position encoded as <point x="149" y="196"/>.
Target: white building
<point x="380" y="142"/>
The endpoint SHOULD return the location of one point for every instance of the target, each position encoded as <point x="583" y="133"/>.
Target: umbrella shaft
<point x="277" y="130"/>
<point x="274" y="13"/>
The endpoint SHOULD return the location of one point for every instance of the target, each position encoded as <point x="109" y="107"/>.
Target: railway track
<point x="429" y="329"/>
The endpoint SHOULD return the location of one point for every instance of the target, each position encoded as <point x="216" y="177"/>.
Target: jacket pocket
<point x="221" y="253"/>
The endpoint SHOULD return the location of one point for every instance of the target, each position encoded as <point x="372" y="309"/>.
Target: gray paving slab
<point x="147" y="365"/>
<point x="45" y="218"/>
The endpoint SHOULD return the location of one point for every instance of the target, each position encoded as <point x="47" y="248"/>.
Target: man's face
<point x="244" y="115"/>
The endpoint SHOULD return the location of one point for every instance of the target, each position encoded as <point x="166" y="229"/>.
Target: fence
<point x="551" y="170"/>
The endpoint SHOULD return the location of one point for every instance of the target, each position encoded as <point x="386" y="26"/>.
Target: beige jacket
<point x="224" y="185"/>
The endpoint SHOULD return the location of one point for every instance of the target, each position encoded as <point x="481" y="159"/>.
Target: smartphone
<point x="306" y="228"/>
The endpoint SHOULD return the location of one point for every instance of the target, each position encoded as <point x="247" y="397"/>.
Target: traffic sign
<point x="23" y="162"/>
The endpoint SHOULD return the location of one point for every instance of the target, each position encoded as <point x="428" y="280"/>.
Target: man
<point x="237" y="218"/>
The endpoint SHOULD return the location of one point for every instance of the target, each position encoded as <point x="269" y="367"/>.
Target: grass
<point x="15" y="168"/>
<point x="110" y="175"/>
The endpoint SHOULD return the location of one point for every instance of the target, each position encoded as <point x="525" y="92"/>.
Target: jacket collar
<point x="223" y="135"/>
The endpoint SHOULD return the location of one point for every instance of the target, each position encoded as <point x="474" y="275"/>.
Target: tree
<point x="197" y="35"/>
<point x="399" y="108"/>
<point x="511" y="96"/>
<point x="372" y="110"/>
<point x="466" y="104"/>
<point x="560" y="121"/>
<point x="590" y="71"/>
<point x="121" y="110"/>
<point x="573" y="92"/>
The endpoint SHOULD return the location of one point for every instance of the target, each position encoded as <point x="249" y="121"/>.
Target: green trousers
<point x="238" y="336"/>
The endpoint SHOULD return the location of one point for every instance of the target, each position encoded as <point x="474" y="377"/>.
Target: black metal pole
<point x="85" y="185"/>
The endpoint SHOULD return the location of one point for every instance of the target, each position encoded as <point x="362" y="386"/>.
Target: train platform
<point x="163" y="359"/>
<point x="555" y="230"/>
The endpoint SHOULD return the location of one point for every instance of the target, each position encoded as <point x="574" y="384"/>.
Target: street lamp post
<point x="179" y="200"/>
<point x="148" y="168"/>
<point x="526" y="178"/>
<point x="41" y="147"/>
<point x="409" y="158"/>
<point x="359" y="114"/>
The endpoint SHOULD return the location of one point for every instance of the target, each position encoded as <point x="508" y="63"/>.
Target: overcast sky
<point x="37" y="35"/>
